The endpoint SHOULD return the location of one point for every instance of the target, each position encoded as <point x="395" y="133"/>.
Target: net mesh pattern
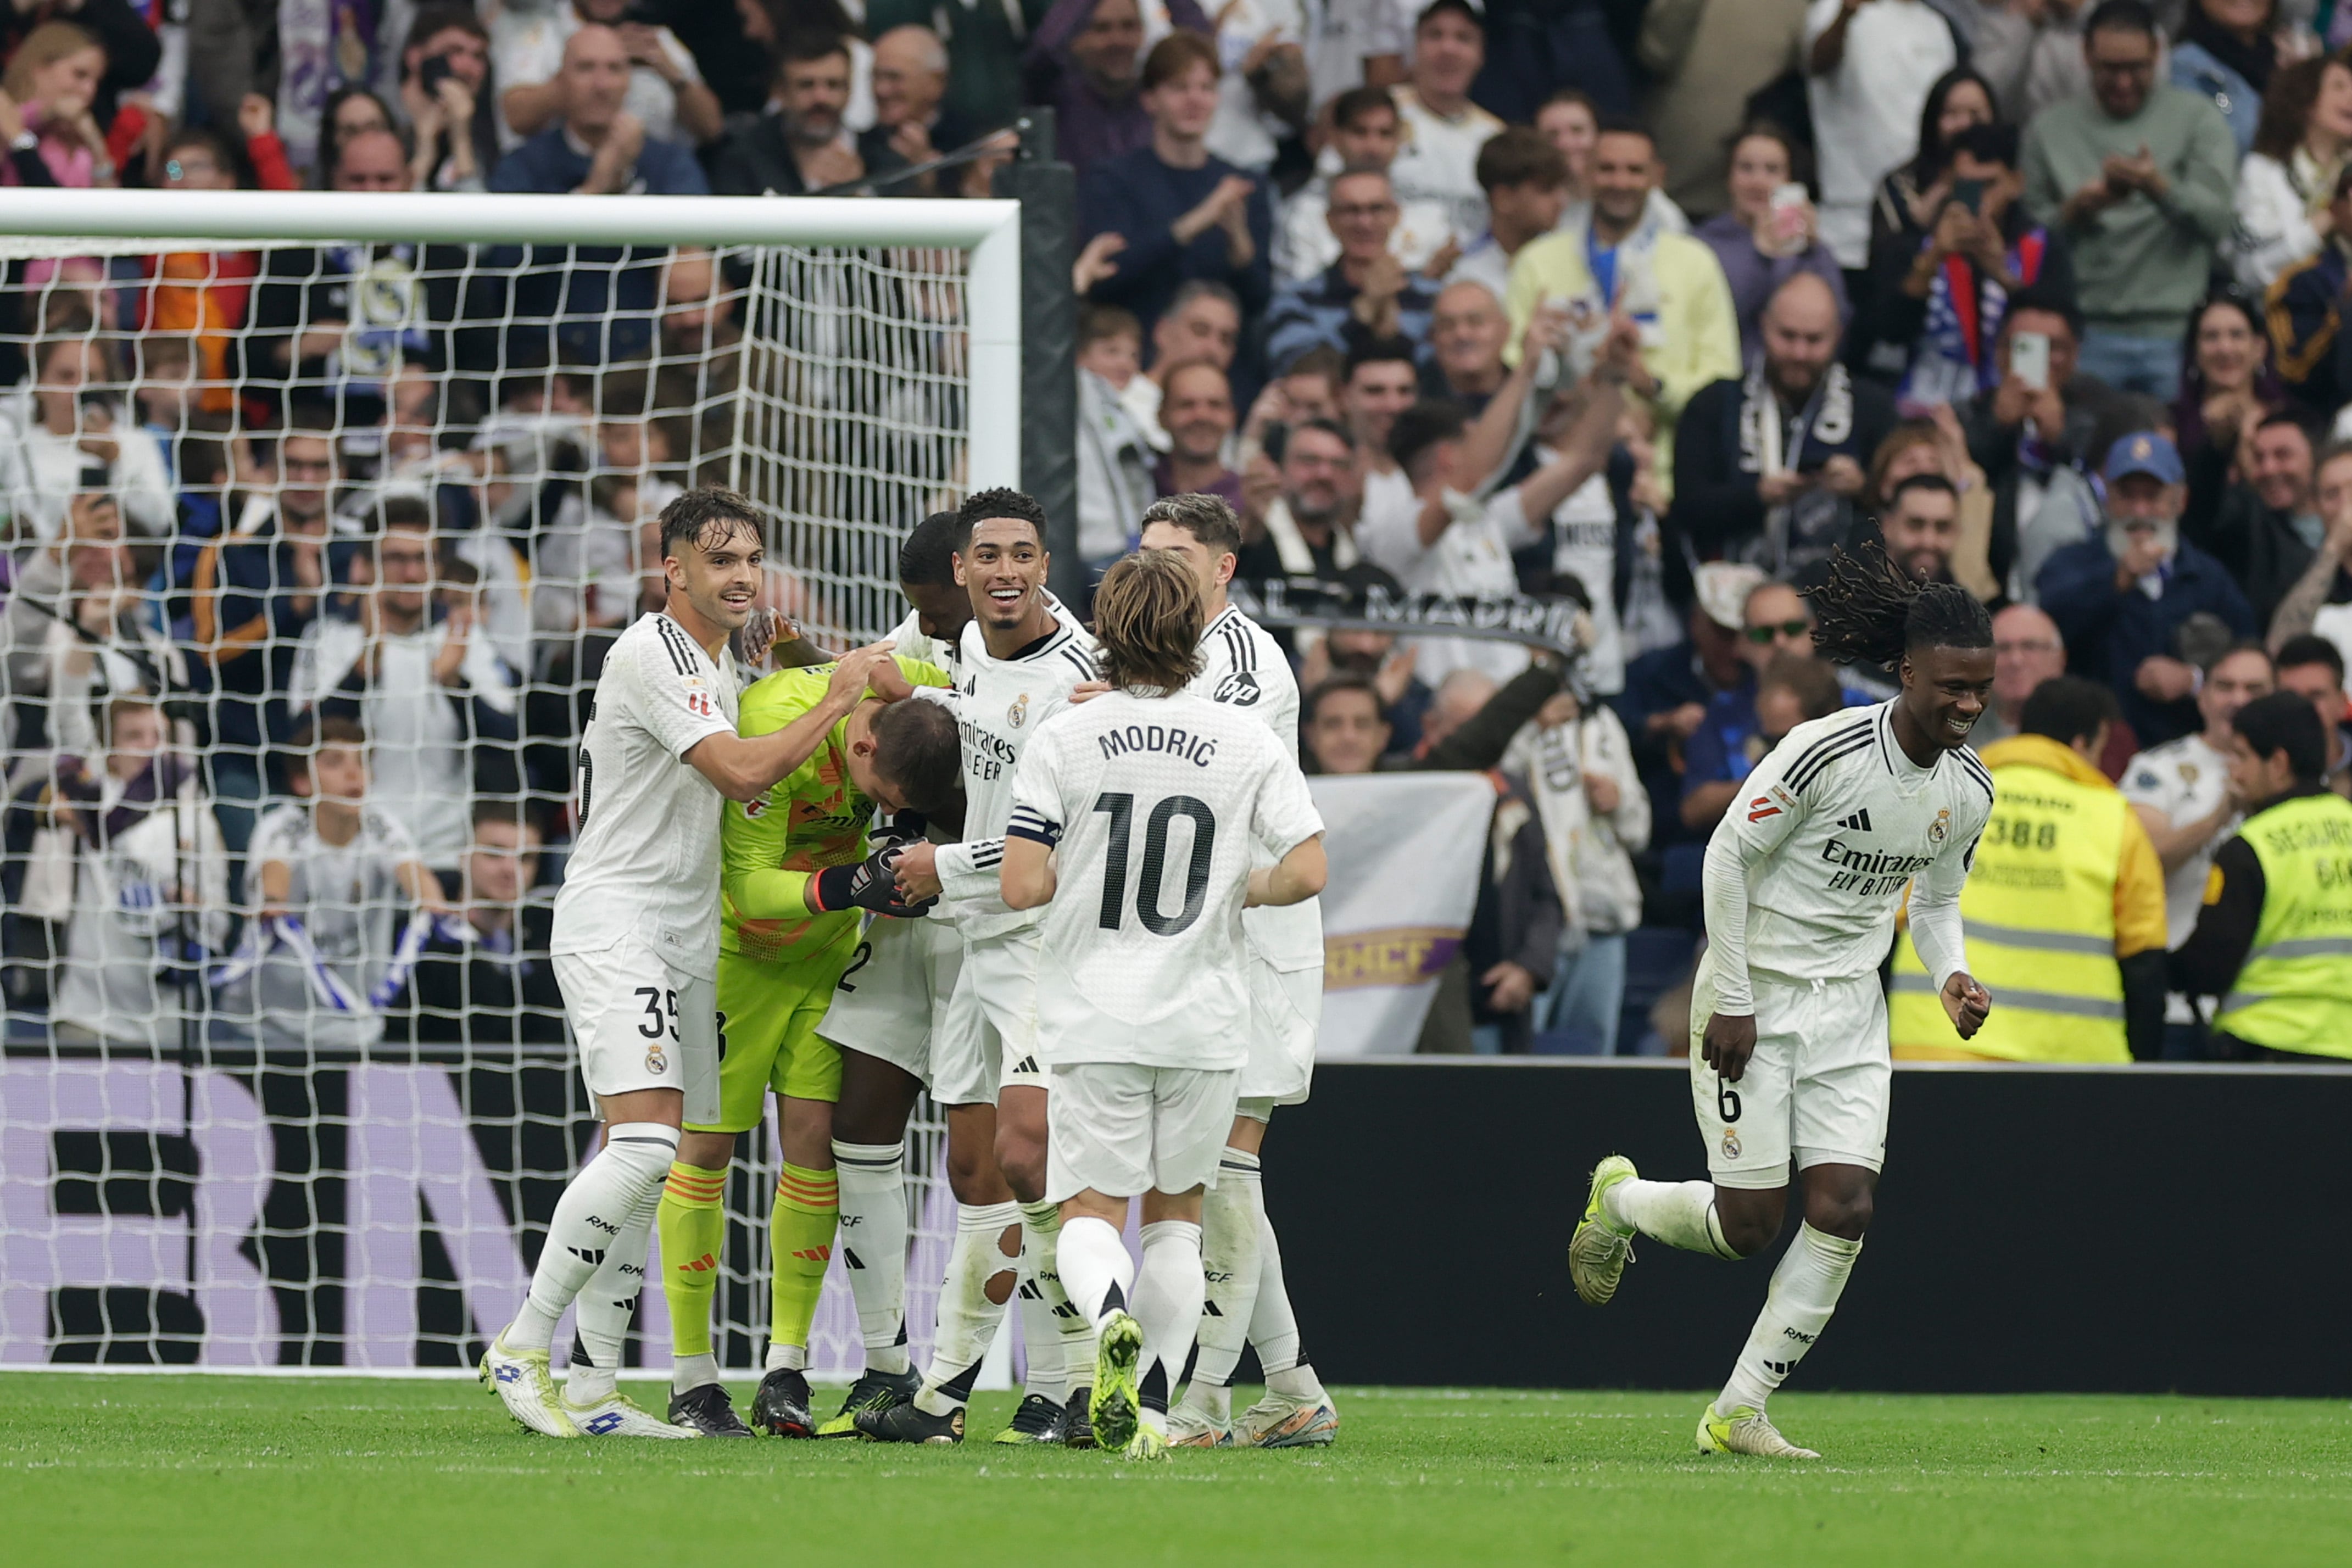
<point x="255" y="1109"/>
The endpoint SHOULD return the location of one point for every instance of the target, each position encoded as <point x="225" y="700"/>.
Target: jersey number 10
<point x="1120" y="806"/>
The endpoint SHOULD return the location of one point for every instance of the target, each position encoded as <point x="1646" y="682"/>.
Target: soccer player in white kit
<point x="637" y="942"/>
<point x="1241" y="666"/>
<point x="1805" y="876"/>
<point x="1136" y="819"/>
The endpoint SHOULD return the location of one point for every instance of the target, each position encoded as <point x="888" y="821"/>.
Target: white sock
<point x="1273" y="1327"/>
<point x="1045" y="1308"/>
<point x="607" y="1303"/>
<point x="1804" y="1292"/>
<point x="688" y="1372"/>
<point x="1168" y="1291"/>
<point x="1232" y="1263"/>
<point x="1678" y="1213"/>
<point x="1096" y="1270"/>
<point x="634" y="1161"/>
<point x="874" y="1245"/>
<point x="984" y="1265"/>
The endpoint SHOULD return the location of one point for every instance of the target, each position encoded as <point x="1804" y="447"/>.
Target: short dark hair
<point x="1359" y="101"/>
<point x="927" y="555"/>
<point x="2309" y="649"/>
<point x="1193" y="289"/>
<point x="440" y="18"/>
<point x="1812" y="681"/>
<point x="506" y="808"/>
<point x="1625" y="125"/>
<point x="689" y="516"/>
<point x="404" y="512"/>
<point x="1097" y="322"/>
<point x="1340" y="681"/>
<point x="1174" y="54"/>
<point x="2285" y="722"/>
<point x="804" y="45"/>
<point x="1000" y="502"/>
<point x="1520" y="155"/>
<point x="2312" y="433"/>
<point x="917" y="747"/>
<point x="1331" y="428"/>
<point x="1208" y="518"/>
<point x="1379" y="351"/>
<point x="2050" y="302"/>
<point x="1462" y="8"/>
<point x="2068" y="708"/>
<point x="1935" y="482"/>
<point x="1423" y="426"/>
<point x="2120" y="16"/>
<point x="1991" y="141"/>
<point x="332" y="729"/>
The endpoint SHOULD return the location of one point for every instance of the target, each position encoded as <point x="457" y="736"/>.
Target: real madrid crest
<point x="1941" y="827"/>
<point x="656" y="1061"/>
<point x="1731" y="1143"/>
<point x="1018" y="714"/>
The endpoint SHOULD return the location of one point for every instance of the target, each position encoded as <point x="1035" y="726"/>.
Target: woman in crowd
<point x="72" y="435"/>
<point x="1936" y="444"/>
<point x="2228" y="385"/>
<point x="2285" y="183"/>
<point x="1761" y="241"/>
<point x="1914" y="192"/>
<point x="52" y="83"/>
<point x="348" y="111"/>
<point x="2226" y="51"/>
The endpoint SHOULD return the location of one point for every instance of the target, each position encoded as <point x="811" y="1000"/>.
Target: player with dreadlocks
<point x="1805" y="876"/>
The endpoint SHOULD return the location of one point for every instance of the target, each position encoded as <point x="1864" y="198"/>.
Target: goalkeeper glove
<point x="869" y="884"/>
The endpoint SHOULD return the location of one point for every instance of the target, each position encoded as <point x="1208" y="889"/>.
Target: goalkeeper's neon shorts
<point x="768" y="1041"/>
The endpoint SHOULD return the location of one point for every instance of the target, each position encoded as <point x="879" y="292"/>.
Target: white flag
<point x="1404" y="850"/>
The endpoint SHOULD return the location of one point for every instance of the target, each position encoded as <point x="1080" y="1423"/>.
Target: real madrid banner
<point x="1404" y="850"/>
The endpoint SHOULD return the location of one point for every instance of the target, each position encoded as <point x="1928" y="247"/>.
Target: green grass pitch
<point x="321" y="1473"/>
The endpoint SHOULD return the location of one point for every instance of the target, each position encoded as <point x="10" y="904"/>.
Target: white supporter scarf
<point x="287" y="931"/>
<point x="1405" y="850"/>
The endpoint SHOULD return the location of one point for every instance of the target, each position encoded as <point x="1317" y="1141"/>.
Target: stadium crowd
<point x="1648" y="305"/>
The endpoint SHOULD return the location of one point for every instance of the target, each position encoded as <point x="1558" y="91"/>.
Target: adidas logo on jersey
<point x="1859" y="822"/>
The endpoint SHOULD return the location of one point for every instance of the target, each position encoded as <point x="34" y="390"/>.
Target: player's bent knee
<point x="1750" y="1218"/>
<point x="1846" y="1215"/>
<point x="1022" y="1157"/>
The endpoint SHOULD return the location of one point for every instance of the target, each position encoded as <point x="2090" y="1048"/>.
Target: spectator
<point x="1265" y="103"/>
<point x="2026" y="652"/>
<point x="1365" y="295"/>
<point x="1938" y="299"/>
<point x="1938" y="446"/>
<point x="203" y="294"/>
<point x="1552" y="44"/>
<point x="1921" y="526"/>
<point x="2312" y="670"/>
<point x="2182" y="793"/>
<point x="1381" y="384"/>
<point x="2033" y="55"/>
<point x="2281" y="1003"/>
<point x="1343" y="726"/>
<point x="1443" y="129"/>
<point x="1351" y="736"/>
<point x="70" y="436"/>
<point x="1915" y="191"/>
<point x="1198" y="413"/>
<point x="331" y="869"/>
<point x="1775" y="625"/>
<point x="1525" y="184"/>
<point x="2287" y="183"/>
<point x="444" y="78"/>
<point x="1366" y="131"/>
<point x="76" y="634"/>
<point x="49" y="99"/>
<point x="150" y="887"/>
<point x="1769" y="468"/>
<point x="596" y="146"/>
<point x="1115" y="457"/>
<point x="408" y="665"/>
<point x="2226" y="52"/>
<point x="1081" y="61"/>
<point x="1668" y="285"/>
<point x="1761" y="241"/>
<point x="1572" y="125"/>
<point x="910" y="88"/>
<point x="347" y="112"/>
<point x="495" y="984"/>
<point x="1203" y="321"/>
<point x="986" y="52"/>
<point x="1579" y="767"/>
<point x="1512" y="944"/>
<point x="802" y="144"/>
<point x="1306" y="528"/>
<point x="1182" y="213"/>
<point x="1308" y="389"/>
<point x="123" y="32"/>
<point x="666" y="92"/>
<point x="1668" y="689"/>
<point x="1707" y="59"/>
<point x="1869" y="66"/>
<point x="2264" y="528"/>
<point x="2226" y="386"/>
<point x="2120" y="597"/>
<point x="2304" y="313"/>
<point x="2321" y="600"/>
<point x="2137" y="177"/>
<point x="2038" y="444"/>
<point x="1380" y="657"/>
<point x="2065" y="908"/>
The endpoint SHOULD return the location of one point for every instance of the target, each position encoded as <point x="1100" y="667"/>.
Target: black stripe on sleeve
<point x="674" y="640"/>
<point x="1817" y="762"/>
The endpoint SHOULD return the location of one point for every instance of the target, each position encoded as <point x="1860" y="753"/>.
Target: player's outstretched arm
<point x="1025" y="876"/>
<point x="1294" y="878"/>
<point x="744" y="770"/>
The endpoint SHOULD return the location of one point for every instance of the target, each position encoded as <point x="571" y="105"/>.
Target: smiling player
<point x="1789" y="1058"/>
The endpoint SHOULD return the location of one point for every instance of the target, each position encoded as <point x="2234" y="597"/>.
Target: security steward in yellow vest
<point x="2063" y="907"/>
<point x="2274" y="940"/>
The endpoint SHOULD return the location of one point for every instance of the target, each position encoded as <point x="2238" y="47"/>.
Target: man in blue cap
<point x="2120" y="596"/>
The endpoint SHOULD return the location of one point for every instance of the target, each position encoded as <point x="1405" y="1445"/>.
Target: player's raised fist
<point x="1968" y="1003"/>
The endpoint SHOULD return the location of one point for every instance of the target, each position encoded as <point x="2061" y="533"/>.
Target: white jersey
<point x="1243" y="667"/>
<point x="1834" y="824"/>
<point x="2185" y="779"/>
<point x="349" y="900"/>
<point x="1157" y="805"/>
<point x="646" y="864"/>
<point x="999" y="705"/>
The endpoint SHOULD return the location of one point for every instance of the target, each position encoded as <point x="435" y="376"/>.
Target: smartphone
<point x="432" y="72"/>
<point x="1789" y="212"/>
<point x="2028" y="359"/>
<point x="1969" y="193"/>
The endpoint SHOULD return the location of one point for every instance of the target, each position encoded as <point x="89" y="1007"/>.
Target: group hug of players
<point x="1065" y="881"/>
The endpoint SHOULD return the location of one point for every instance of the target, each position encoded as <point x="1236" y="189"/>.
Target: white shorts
<point x="1286" y="1010"/>
<point x="891" y="1002"/>
<point x="988" y="1039"/>
<point x="641" y="1024"/>
<point x="1124" y="1130"/>
<point x="1816" y="1090"/>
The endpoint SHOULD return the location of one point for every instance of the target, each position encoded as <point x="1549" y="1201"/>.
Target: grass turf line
<point x="336" y="1471"/>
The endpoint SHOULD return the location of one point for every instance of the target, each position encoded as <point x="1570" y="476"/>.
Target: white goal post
<point x="195" y="1169"/>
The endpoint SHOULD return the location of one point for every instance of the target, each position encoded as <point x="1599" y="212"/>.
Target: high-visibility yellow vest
<point x="2039" y="912"/>
<point x="2295" y="991"/>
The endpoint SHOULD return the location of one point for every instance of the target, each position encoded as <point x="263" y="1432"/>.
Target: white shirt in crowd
<point x="1438" y="161"/>
<point x="527" y="49"/>
<point x="2185" y="779"/>
<point x="126" y="909"/>
<point x="40" y="472"/>
<point x="2274" y="204"/>
<point x="1591" y="852"/>
<point x="1473" y="555"/>
<point x="1584" y="532"/>
<point x="1209" y="793"/>
<point x="1866" y="112"/>
<point x="587" y="558"/>
<point x="1245" y="668"/>
<point x="351" y="904"/>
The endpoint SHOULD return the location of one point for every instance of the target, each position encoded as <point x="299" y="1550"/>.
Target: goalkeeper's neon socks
<point x="693" y="1222"/>
<point x="799" y="1226"/>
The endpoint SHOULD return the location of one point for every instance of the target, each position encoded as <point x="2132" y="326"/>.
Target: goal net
<point x="391" y="461"/>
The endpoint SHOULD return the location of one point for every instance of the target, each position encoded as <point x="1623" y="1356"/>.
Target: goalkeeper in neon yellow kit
<point x="798" y="878"/>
